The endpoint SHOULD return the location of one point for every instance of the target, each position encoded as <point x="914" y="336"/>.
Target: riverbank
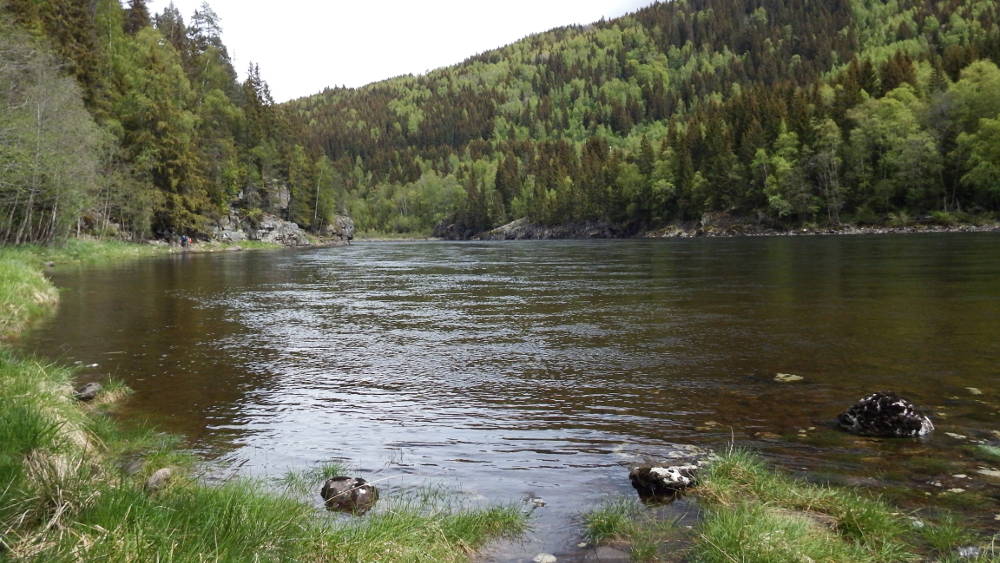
<point x="750" y="512"/>
<point x="721" y="225"/>
<point x="74" y="485"/>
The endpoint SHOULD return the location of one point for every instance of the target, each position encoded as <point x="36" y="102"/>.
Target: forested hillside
<point x="155" y="136"/>
<point x="780" y="112"/>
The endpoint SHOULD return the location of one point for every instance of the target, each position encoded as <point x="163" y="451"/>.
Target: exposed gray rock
<point x="885" y="415"/>
<point x="159" y="479"/>
<point x="269" y="228"/>
<point x="349" y="494"/>
<point x="88" y="392"/>
<point x="545" y="558"/>
<point x="274" y="229"/>
<point x="342" y="228"/>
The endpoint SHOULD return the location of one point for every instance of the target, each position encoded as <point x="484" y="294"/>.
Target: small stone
<point x="989" y="472"/>
<point x="545" y="558"/>
<point x="159" y="479"/>
<point x="582" y="545"/>
<point x="997" y="517"/>
<point x="955" y="490"/>
<point x="88" y="392"/>
<point x="917" y="523"/>
<point x="811" y="428"/>
<point x="787" y="378"/>
<point x="960" y="476"/>
<point x="973" y="390"/>
<point x="50" y="264"/>
<point x="537" y="501"/>
<point x="970" y="552"/>
<point x="956" y="436"/>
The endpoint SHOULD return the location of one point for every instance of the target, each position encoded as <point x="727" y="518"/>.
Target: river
<point x="508" y="370"/>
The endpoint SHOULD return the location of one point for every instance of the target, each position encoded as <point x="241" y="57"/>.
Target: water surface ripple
<point x="513" y="369"/>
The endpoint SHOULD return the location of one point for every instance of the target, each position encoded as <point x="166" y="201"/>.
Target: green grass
<point x="627" y="523"/>
<point x="754" y="513"/>
<point x="72" y="480"/>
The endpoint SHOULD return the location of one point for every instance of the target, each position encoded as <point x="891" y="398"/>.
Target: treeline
<point x="122" y="123"/>
<point x="781" y="112"/>
<point x="777" y="111"/>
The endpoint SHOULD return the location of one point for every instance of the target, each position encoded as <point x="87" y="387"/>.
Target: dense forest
<point x="127" y="124"/>
<point x="777" y="112"/>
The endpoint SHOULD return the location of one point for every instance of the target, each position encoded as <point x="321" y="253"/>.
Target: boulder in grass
<point x="88" y="392"/>
<point x="885" y="415"/>
<point x="349" y="494"/>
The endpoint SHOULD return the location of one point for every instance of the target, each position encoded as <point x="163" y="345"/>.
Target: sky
<point x="307" y="45"/>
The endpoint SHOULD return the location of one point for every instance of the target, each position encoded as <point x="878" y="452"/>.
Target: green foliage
<point x="789" y="114"/>
<point x="784" y="112"/>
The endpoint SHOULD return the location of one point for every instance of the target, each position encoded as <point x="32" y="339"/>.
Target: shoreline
<point x="75" y="484"/>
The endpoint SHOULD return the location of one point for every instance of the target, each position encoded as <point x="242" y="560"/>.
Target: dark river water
<point x="509" y="370"/>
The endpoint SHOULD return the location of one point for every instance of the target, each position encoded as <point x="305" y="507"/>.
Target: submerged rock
<point x="88" y="392"/>
<point x="885" y="415"/>
<point x="349" y="494"/>
<point x="787" y="378"/>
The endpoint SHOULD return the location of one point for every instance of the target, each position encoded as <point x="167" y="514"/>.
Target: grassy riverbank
<point x="754" y="513"/>
<point x="75" y="486"/>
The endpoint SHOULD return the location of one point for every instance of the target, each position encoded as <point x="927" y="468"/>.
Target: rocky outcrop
<point x="268" y="228"/>
<point x="522" y="229"/>
<point x="276" y="230"/>
<point x="341" y="229"/>
<point x="885" y="415"/>
<point x="349" y="494"/>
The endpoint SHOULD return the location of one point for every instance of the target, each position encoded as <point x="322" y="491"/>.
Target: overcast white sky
<point x="304" y="46"/>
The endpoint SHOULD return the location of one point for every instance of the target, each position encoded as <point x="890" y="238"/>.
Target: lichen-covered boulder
<point x="885" y="415"/>
<point x="349" y="494"/>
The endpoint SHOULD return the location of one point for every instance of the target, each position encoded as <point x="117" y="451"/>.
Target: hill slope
<point x="779" y="111"/>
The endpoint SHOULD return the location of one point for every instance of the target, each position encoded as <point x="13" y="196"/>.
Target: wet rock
<point x="349" y="494"/>
<point x="88" y="392"/>
<point x="50" y="264"/>
<point x="537" y="502"/>
<point x="885" y="415"/>
<point x="545" y="558"/>
<point x="973" y="391"/>
<point x="663" y="473"/>
<point x="663" y="482"/>
<point x="159" y="479"/>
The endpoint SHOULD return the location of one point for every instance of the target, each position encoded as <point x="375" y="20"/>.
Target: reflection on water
<point x="517" y="369"/>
